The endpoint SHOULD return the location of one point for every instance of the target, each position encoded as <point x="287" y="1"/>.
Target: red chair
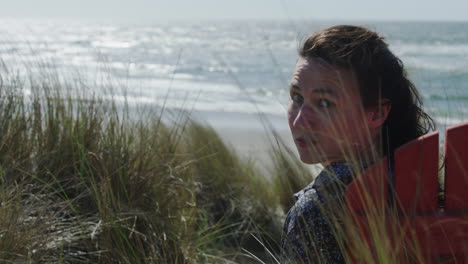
<point x="401" y="213"/>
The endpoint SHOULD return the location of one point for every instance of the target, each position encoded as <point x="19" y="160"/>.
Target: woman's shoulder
<point x="305" y="212"/>
<point x="306" y="231"/>
<point x="328" y="187"/>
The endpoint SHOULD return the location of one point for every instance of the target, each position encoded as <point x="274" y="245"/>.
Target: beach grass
<point x="84" y="180"/>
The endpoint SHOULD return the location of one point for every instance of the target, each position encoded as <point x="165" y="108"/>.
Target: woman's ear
<point x="377" y="115"/>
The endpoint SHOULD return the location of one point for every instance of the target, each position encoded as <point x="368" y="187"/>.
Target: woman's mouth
<point x="303" y="143"/>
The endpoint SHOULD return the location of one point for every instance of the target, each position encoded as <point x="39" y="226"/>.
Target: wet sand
<point x="249" y="136"/>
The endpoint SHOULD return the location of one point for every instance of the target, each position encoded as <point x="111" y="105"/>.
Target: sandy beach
<point x="248" y="135"/>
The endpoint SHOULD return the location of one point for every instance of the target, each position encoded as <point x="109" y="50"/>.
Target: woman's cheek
<point x="292" y="114"/>
<point x="291" y="122"/>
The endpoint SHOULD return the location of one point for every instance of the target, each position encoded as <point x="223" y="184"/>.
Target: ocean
<point x="223" y="68"/>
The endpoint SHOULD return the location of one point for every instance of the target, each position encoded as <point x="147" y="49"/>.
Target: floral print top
<point x="307" y="235"/>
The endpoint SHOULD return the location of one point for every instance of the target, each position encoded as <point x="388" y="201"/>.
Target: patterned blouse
<point x="307" y="235"/>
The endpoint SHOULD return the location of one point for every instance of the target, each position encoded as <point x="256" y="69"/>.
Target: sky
<point x="157" y="10"/>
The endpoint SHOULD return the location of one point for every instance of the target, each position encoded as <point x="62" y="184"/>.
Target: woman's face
<point x="325" y="115"/>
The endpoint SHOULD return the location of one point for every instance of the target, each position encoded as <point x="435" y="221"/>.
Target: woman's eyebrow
<point x="294" y="87"/>
<point x="325" y="91"/>
<point x="318" y="90"/>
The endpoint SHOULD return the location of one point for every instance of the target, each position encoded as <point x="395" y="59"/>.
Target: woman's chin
<point x="309" y="158"/>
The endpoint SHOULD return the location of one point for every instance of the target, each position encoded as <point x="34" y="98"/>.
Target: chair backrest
<point x="424" y="223"/>
<point x="456" y="168"/>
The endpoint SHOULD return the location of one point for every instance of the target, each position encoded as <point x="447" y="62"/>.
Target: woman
<point x="351" y="104"/>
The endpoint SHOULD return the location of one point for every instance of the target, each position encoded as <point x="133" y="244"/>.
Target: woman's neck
<point x="359" y="158"/>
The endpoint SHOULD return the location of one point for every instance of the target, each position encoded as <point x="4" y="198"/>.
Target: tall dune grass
<point x="86" y="180"/>
<point x="81" y="181"/>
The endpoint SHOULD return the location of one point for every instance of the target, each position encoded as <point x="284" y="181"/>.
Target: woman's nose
<point x="303" y="118"/>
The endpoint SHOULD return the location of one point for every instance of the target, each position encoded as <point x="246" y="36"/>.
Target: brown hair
<point x="379" y="73"/>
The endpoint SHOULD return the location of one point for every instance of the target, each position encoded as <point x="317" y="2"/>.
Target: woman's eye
<point x="324" y="103"/>
<point x="297" y="98"/>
